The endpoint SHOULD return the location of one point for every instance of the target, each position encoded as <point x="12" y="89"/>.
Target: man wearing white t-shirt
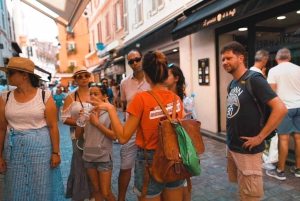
<point x="261" y="58"/>
<point x="284" y="79"/>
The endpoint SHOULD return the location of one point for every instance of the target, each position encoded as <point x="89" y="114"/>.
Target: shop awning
<point x="66" y="12"/>
<point x="192" y="23"/>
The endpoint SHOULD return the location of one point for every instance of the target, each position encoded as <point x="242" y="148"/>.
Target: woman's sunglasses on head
<point x="170" y="65"/>
<point x="81" y="76"/>
<point x="137" y="59"/>
<point x="99" y="84"/>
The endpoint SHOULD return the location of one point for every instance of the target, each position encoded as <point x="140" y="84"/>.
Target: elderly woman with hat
<point x="29" y="137"/>
<point x="79" y="186"/>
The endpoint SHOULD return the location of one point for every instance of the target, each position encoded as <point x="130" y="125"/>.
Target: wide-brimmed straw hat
<point x="79" y="69"/>
<point x="21" y="64"/>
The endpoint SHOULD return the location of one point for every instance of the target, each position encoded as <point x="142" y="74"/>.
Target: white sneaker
<point x="268" y="166"/>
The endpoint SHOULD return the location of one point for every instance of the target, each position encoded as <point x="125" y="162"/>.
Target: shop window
<point x="125" y="16"/>
<point x="273" y="34"/>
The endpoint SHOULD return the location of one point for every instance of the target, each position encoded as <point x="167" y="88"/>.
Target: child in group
<point x="98" y="147"/>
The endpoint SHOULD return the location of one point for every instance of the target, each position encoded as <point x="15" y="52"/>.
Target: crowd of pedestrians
<point x="29" y="136"/>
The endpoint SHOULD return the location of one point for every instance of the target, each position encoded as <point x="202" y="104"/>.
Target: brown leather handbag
<point x="167" y="164"/>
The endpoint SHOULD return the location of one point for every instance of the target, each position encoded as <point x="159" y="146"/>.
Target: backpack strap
<point x="229" y="87"/>
<point x="250" y="90"/>
<point x="7" y="95"/>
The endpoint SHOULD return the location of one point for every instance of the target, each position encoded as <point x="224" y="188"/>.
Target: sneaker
<point x="274" y="173"/>
<point x="268" y="166"/>
<point x="296" y="171"/>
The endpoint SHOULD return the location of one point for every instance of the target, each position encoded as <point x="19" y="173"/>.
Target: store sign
<point x="219" y="17"/>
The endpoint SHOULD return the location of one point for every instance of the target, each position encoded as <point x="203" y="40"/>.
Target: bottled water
<point x="84" y="117"/>
<point x="188" y="103"/>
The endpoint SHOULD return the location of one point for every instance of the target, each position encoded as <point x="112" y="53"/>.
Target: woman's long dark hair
<point x="34" y="81"/>
<point x="155" y="65"/>
<point x="180" y="84"/>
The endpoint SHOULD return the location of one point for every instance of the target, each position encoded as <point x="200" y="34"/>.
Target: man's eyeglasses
<point x="11" y="72"/>
<point x="137" y="59"/>
<point x="105" y="83"/>
<point x="81" y="76"/>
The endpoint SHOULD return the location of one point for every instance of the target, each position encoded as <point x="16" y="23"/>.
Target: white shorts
<point x="128" y="153"/>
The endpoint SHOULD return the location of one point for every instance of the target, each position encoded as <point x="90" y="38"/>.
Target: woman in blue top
<point x="58" y="98"/>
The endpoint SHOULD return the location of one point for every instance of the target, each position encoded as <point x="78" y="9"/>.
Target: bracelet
<point x="98" y="124"/>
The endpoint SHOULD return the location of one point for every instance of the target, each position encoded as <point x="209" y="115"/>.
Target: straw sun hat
<point x="21" y="64"/>
<point x="78" y="70"/>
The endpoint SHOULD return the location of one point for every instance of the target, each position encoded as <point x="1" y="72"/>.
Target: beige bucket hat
<point x="21" y="64"/>
<point x="79" y="69"/>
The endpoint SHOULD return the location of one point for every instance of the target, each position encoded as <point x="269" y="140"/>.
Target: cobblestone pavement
<point x="211" y="185"/>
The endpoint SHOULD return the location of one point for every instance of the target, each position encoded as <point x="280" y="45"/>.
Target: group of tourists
<point x="29" y="135"/>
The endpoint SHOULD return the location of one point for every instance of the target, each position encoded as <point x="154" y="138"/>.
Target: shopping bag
<point x="273" y="151"/>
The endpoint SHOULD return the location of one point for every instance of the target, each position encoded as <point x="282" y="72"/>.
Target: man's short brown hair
<point x="235" y="47"/>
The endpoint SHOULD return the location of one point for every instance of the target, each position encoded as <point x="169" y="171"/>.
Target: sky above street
<point x="38" y="25"/>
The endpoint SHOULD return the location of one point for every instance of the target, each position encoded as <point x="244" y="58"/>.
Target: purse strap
<point x="76" y="94"/>
<point x="162" y="106"/>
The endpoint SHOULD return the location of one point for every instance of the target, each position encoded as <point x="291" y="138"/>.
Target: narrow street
<point x="211" y="185"/>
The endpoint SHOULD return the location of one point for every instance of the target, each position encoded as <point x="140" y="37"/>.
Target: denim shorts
<point x="155" y="188"/>
<point x="100" y="166"/>
<point x="290" y="123"/>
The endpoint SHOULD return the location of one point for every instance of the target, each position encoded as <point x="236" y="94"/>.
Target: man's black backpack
<point x="264" y="110"/>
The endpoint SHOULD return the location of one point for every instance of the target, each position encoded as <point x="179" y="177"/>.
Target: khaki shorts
<point x="128" y="153"/>
<point x="245" y="170"/>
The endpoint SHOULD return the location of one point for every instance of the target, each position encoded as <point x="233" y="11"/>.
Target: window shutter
<point x="99" y="33"/>
<point x="160" y="4"/>
<point x="140" y="12"/>
<point x="107" y="25"/>
<point x="125" y="16"/>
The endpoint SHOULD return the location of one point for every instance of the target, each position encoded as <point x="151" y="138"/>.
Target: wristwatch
<point x="57" y="153"/>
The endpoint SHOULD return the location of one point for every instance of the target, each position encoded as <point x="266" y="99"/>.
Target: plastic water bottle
<point x="84" y="117"/>
<point x="189" y="103"/>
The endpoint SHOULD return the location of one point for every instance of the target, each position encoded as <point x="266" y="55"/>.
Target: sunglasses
<point x="96" y="84"/>
<point x="137" y="59"/>
<point x="170" y="65"/>
<point x="101" y="86"/>
<point x="81" y="76"/>
<point x="11" y="72"/>
<point x="105" y="83"/>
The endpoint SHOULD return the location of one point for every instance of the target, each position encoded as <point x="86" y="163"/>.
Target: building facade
<point x="106" y="27"/>
<point x="74" y="46"/>
<point x="44" y="56"/>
